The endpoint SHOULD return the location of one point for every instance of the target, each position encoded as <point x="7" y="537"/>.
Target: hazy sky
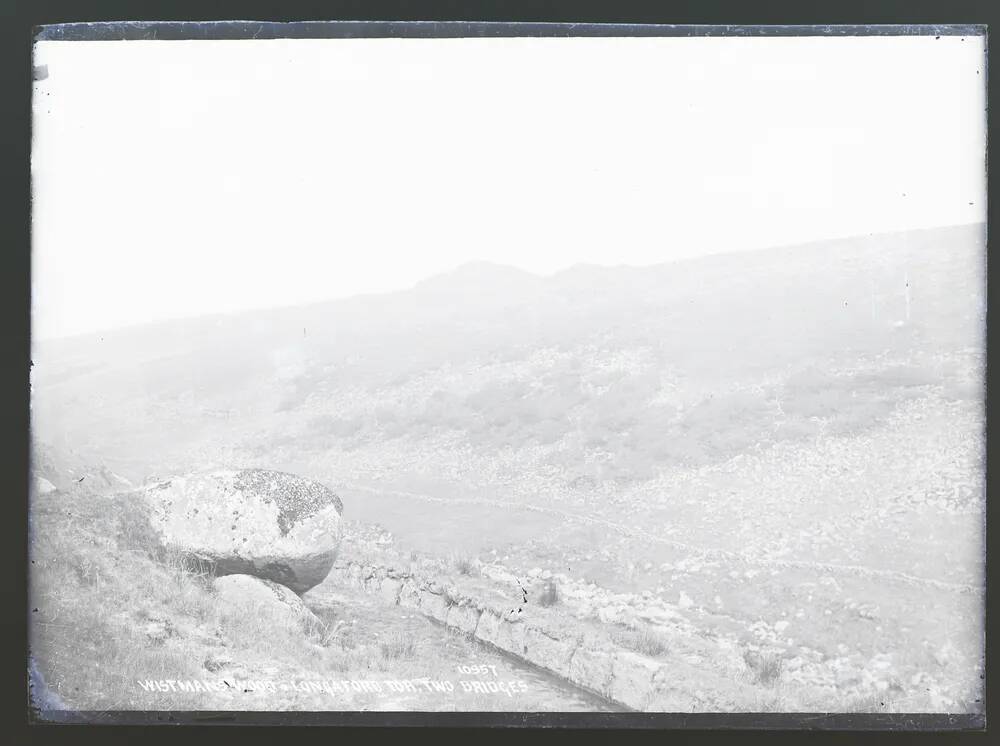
<point x="175" y="178"/>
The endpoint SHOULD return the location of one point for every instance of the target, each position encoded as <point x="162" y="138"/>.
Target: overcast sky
<point x="176" y="178"/>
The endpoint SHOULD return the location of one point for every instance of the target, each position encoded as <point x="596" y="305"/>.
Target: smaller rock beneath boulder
<point x="255" y="595"/>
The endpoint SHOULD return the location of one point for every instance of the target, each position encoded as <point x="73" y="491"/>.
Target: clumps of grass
<point x="329" y="633"/>
<point x="397" y="647"/>
<point x="462" y="564"/>
<point x="317" y="630"/>
<point x="766" y="667"/>
<point x="641" y="640"/>
<point x="549" y="595"/>
<point x="346" y="636"/>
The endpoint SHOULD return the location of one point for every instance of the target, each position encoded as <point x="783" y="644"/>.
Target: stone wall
<point x="580" y="652"/>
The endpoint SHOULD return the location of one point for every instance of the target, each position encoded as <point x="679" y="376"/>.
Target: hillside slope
<point x="613" y="357"/>
<point x="785" y="448"/>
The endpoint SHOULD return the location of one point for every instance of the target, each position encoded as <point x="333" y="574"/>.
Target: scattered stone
<point x="157" y="631"/>
<point x="216" y="663"/>
<point x="43" y="486"/>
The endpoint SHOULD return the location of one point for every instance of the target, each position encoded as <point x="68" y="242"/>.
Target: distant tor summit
<point x="480" y="275"/>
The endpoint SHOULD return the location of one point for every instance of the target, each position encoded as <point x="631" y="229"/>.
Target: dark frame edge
<point x="268" y="30"/>
<point x="882" y="722"/>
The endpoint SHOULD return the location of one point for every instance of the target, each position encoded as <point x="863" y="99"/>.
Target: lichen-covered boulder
<point x="268" y="524"/>
<point x="253" y="596"/>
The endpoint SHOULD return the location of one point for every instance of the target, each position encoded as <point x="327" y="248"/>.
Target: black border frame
<point x="257" y="30"/>
<point x="570" y="19"/>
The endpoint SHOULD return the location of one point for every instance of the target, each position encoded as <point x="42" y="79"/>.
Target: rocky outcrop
<point x="253" y="595"/>
<point x="579" y="652"/>
<point x="268" y="524"/>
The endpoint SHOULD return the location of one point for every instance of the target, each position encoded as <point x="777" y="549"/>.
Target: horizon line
<point x="540" y="276"/>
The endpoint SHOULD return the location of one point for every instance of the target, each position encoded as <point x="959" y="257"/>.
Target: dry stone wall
<point x="582" y="653"/>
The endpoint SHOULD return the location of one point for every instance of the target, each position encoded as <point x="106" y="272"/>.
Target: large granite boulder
<point x="268" y="524"/>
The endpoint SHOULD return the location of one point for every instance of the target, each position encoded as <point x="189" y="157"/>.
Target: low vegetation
<point x="765" y="666"/>
<point x="397" y="647"/>
<point x="641" y="640"/>
<point x="620" y="414"/>
<point x="462" y="564"/>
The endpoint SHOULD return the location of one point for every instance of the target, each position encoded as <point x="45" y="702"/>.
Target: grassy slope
<point x="110" y="610"/>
